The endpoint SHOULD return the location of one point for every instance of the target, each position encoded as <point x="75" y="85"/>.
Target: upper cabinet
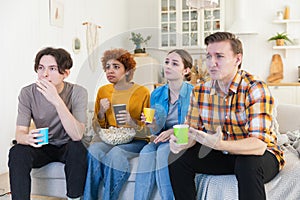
<point x="185" y="27"/>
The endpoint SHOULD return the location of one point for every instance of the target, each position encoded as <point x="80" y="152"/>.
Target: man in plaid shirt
<point x="230" y="119"/>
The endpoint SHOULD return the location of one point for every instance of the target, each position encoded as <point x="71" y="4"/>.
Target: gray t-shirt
<point x="172" y="118"/>
<point x="33" y="105"/>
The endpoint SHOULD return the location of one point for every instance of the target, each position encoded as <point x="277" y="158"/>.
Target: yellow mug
<point x="149" y="114"/>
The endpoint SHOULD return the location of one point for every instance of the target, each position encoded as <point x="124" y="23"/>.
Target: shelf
<point x="287" y="47"/>
<point x="284" y="84"/>
<point x="140" y="54"/>
<point x="285" y="21"/>
<point x="246" y="33"/>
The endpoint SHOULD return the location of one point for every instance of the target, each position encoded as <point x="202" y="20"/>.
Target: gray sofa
<point x="50" y="181"/>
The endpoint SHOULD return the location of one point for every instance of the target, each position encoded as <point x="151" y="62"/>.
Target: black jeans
<point x="22" y="158"/>
<point x="251" y="171"/>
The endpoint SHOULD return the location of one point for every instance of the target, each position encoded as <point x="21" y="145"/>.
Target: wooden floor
<point x="4" y="183"/>
<point x="4" y="187"/>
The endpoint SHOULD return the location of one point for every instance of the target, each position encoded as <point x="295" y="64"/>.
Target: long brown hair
<point x="186" y="59"/>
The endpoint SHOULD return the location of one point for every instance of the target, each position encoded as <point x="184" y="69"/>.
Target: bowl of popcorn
<point x="114" y="135"/>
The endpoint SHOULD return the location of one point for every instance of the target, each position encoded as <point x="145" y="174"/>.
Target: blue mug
<point x="43" y="131"/>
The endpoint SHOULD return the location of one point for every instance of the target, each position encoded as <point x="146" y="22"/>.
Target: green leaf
<point x="137" y="38"/>
<point x="280" y="36"/>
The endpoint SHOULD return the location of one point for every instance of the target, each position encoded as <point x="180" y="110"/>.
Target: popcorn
<point x="115" y="135"/>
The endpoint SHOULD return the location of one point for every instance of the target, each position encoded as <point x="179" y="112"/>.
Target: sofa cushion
<point x="54" y="170"/>
<point x="287" y="117"/>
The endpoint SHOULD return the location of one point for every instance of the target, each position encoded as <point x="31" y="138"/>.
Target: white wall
<point x="257" y="50"/>
<point x="25" y="29"/>
<point x="17" y="50"/>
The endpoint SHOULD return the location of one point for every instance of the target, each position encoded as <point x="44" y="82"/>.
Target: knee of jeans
<point x="116" y="152"/>
<point x="148" y="148"/>
<point x="162" y="160"/>
<point x="116" y="158"/>
<point x="163" y="151"/>
<point x="95" y="150"/>
<point x="250" y="164"/>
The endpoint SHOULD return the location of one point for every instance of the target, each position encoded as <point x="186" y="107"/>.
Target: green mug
<point x="181" y="133"/>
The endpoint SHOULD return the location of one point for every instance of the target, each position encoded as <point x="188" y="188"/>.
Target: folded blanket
<point x="291" y="138"/>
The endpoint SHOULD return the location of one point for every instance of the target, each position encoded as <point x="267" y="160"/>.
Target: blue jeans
<point x="153" y="167"/>
<point x="111" y="164"/>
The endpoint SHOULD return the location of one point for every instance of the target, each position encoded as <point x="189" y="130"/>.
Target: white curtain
<point x="92" y="39"/>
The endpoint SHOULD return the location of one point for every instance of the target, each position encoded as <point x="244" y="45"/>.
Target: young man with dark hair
<point x="61" y="106"/>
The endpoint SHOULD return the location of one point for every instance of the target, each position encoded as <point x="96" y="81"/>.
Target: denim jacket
<point x="160" y="102"/>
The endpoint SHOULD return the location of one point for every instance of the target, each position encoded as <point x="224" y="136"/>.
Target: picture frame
<point x="56" y="10"/>
<point x="76" y="45"/>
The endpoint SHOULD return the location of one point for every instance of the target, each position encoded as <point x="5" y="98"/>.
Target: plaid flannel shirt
<point x="246" y="111"/>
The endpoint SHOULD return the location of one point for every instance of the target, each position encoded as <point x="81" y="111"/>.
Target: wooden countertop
<point x="284" y="84"/>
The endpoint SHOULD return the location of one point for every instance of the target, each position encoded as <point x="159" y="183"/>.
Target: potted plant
<point x="138" y="40"/>
<point x="280" y="39"/>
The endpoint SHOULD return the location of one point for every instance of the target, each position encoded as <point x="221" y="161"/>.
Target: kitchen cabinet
<point x="288" y="93"/>
<point x="185" y="27"/>
<point x="147" y="71"/>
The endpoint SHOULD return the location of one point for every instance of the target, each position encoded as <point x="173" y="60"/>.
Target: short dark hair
<point x="62" y="57"/>
<point x="235" y="43"/>
<point x="186" y="59"/>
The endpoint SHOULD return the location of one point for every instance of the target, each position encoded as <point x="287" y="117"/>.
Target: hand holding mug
<point x="176" y="148"/>
<point x="149" y="125"/>
<point x="212" y="140"/>
<point x="104" y="104"/>
<point x="38" y="137"/>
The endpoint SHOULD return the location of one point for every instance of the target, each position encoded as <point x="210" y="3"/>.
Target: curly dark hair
<point x="235" y="43"/>
<point x="123" y="57"/>
<point x="62" y="57"/>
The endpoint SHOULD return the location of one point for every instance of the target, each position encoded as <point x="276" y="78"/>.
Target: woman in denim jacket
<point x="171" y="102"/>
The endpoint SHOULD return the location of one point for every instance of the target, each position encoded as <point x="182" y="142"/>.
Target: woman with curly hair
<point x="106" y="162"/>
